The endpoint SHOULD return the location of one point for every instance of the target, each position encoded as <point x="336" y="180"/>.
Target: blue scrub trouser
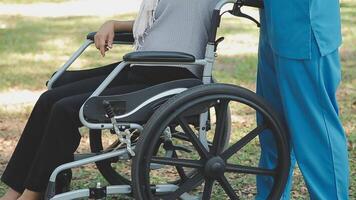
<point x="304" y="93"/>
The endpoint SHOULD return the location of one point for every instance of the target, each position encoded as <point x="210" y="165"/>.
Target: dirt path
<point x="72" y="8"/>
<point x="18" y="97"/>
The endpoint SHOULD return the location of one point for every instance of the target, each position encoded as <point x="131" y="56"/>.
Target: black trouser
<point x="51" y="134"/>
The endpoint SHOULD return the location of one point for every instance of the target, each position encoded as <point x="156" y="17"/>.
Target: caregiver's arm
<point x="105" y="36"/>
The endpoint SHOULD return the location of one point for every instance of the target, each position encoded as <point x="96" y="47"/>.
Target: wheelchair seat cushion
<point x="138" y="106"/>
<point x="158" y="56"/>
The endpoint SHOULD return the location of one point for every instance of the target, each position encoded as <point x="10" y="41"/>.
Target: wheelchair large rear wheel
<point x="218" y="172"/>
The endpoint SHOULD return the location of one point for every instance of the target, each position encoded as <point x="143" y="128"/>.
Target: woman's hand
<point x="104" y="37"/>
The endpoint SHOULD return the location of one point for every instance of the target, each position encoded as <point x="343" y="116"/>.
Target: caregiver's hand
<point x="104" y="37"/>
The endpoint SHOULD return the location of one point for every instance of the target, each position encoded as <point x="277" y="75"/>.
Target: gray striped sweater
<point x="181" y="25"/>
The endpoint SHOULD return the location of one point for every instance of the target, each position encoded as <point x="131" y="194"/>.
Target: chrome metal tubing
<point x="66" y="65"/>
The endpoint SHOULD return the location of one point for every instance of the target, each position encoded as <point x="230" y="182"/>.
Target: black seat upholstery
<point x="124" y="104"/>
<point x="158" y="56"/>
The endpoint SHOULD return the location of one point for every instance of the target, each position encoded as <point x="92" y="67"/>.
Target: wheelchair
<point x="178" y="135"/>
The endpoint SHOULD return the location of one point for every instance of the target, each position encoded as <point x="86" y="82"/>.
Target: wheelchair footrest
<point x="99" y="193"/>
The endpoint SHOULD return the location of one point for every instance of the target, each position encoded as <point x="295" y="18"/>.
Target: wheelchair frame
<point x="207" y="78"/>
<point x="207" y="63"/>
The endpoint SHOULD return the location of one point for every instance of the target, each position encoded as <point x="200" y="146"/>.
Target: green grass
<point x="31" y="49"/>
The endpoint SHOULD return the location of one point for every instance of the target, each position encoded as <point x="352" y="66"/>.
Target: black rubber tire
<point x="140" y="165"/>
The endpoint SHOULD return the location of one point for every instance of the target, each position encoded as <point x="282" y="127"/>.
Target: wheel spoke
<point x="177" y="162"/>
<point x="180" y="170"/>
<point x="193" y="138"/>
<point x="208" y="187"/>
<point x="242" y="142"/>
<point x="180" y="136"/>
<point x="218" y="143"/>
<point x="186" y="186"/>
<point x="249" y="170"/>
<point x="227" y="188"/>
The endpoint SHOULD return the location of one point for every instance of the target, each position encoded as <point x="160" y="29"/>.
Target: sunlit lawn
<point x="32" y="48"/>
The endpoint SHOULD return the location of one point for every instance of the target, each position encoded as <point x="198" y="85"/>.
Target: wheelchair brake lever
<point x="250" y="18"/>
<point x="236" y="11"/>
<point x="124" y="135"/>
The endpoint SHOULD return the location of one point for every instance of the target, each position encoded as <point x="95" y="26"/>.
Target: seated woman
<point x="51" y="135"/>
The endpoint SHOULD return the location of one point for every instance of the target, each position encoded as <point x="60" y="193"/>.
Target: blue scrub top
<point x="291" y="24"/>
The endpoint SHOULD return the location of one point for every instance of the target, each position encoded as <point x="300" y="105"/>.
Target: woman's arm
<point x="105" y="36"/>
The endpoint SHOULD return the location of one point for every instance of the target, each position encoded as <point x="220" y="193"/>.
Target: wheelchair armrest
<point x="120" y="37"/>
<point x="158" y="56"/>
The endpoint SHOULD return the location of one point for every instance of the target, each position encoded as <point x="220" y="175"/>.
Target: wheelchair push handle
<point x="252" y="3"/>
<point x="236" y="11"/>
